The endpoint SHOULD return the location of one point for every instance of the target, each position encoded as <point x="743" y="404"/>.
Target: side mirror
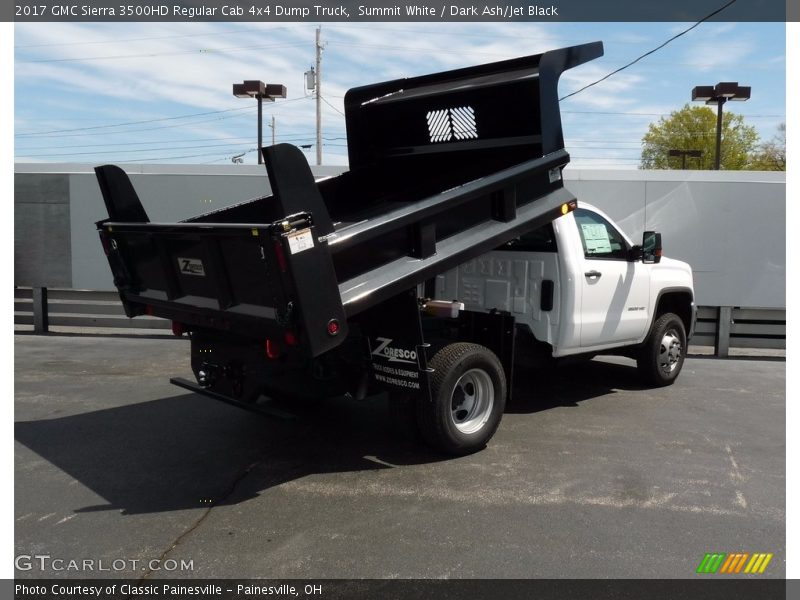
<point x="651" y="247"/>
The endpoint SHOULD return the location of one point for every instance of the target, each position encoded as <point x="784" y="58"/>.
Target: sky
<point x="139" y="93"/>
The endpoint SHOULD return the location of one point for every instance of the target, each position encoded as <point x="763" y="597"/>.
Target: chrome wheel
<point x="669" y="353"/>
<point x="472" y="401"/>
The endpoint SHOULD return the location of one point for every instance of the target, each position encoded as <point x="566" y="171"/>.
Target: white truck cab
<point x="579" y="285"/>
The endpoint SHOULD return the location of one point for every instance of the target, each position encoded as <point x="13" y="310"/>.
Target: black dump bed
<point x="443" y="168"/>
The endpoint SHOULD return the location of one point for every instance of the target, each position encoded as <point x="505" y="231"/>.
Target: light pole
<point x="684" y="154"/>
<point x="259" y="90"/>
<point x="719" y="94"/>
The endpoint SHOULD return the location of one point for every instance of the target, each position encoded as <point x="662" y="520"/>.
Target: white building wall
<point x="730" y="226"/>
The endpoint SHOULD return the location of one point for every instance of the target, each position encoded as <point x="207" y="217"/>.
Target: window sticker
<point x="596" y="237"/>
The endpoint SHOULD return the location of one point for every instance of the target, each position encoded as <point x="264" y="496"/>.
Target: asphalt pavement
<point x="589" y="475"/>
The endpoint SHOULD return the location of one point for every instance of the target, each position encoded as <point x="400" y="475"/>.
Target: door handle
<point x="593" y="274"/>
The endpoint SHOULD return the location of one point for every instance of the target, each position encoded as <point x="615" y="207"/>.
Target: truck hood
<point x="673" y="273"/>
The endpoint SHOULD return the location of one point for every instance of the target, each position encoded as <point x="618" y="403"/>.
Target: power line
<point x="107" y="145"/>
<point x="157" y="54"/>
<point x="418" y="49"/>
<point x="176" y="157"/>
<point x="646" y="54"/>
<point x="102" y="153"/>
<point x="280" y="137"/>
<point x="46" y="133"/>
<point x="213" y="112"/>
<point x="458" y="33"/>
<point x="286" y="139"/>
<point x="608" y="158"/>
<point x="230" y="157"/>
<point x="279" y="106"/>
<point x="160" y="37"/>
<point x="127" y="131"/>
<point x="644" y="114"/>
<point x="493" y="35"/>
<point x="331" y="105"/>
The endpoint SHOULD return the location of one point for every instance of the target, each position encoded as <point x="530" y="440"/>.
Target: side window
<point x="598" y="236"/>
<point x="538" y="240"/>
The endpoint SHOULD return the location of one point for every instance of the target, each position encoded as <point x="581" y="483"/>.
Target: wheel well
<point x="677" y="302"/>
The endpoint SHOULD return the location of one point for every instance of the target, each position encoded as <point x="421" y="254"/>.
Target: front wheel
<point x="661" y="358"/>
<point x="468" y="390"/>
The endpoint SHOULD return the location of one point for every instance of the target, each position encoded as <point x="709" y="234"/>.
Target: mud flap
<point x="398" y="360"/>
<point x="496" y="330"/>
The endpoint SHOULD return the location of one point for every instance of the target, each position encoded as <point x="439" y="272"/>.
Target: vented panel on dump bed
<point x="505" y="110"/>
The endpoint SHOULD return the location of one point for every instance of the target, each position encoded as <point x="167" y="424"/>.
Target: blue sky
<point x="78" y="84"/>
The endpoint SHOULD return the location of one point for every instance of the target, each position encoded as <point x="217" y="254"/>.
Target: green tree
<point x="771" y="155"/>
<point x="695" y="128"/>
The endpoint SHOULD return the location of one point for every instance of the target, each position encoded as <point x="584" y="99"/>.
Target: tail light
<point x="333" y="327"/>
<point x="272" y="349"/>
<point x="280" y="256"/>
<point x="177" y="328"/>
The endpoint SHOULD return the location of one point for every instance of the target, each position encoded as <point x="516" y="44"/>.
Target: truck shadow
<point x="188" y="451"/>
<point x="570" y="384"/>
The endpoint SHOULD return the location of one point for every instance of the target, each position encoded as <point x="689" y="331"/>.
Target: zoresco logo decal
<point x="737" y="562"/>
<point x="386" y="350"/>
<point x="191" y="266"/>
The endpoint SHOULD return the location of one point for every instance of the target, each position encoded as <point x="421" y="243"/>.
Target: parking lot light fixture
<point x="684" y="153"/>
<point x="253" y="88"/>
<point x="719" y="94"/>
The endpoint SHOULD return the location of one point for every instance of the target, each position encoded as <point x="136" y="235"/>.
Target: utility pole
<point x="258" y="150"/>
<point x="318" y="81"/>
<point x="272" y="126"/>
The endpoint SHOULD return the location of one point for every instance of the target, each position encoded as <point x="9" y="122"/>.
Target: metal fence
<point x="43" y="308"/>
<point x="726" y="327"/>
<point x="39" y="309"/>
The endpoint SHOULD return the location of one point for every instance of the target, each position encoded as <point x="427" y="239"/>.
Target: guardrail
<point x="44" y="308"/>
<point x="726" y="327"/>
<point x="723" y="327"/>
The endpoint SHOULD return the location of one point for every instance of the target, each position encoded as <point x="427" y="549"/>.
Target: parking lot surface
<point x="589" y="475"/>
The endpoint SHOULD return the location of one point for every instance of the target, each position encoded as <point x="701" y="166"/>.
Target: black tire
<point x="661" y="358"/>
<point x="458" y="421"/>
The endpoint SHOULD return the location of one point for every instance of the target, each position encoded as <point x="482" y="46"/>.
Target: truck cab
<point x="580" y="286"/>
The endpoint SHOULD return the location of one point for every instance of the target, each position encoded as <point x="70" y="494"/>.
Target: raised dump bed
<point x="443" y="168"/>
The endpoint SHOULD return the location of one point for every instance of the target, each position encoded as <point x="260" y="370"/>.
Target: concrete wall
<point x="42" y="233"/>
<point x="730" y="226"/>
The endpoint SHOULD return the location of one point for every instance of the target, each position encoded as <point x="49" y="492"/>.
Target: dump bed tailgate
<point x="274" y="280"/>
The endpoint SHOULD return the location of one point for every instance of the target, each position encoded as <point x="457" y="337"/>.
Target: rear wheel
<point x="661" y="358"/>
<point x="468" y="390"/>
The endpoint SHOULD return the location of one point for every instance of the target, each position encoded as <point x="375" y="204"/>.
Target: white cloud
<point x="181" y="68"/>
